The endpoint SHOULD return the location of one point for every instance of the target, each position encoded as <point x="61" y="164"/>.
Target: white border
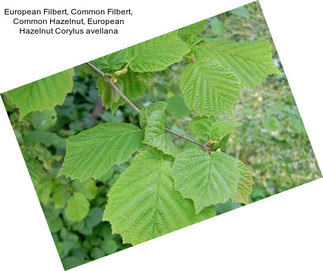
<point x="283" y="232"/>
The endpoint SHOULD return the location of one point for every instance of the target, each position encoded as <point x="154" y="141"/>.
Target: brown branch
<point x="206" y="147"/>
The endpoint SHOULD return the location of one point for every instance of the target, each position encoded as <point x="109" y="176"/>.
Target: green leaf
<point x="251" y="61"/>
<point x="244" y="186"/>
<point x="148" y="110"/>
<point x="94" y="217"/>
<point x="177" y="107"/>
<point x="92" y="152"/>
<point x="143" y="204"/>
<point x="97" y="253"/>
<point x="72" y="261"/>
<point x="155" y="135"/>
<point x="157" y="54"/>
<point x="45" y="138"/>
<point x="43" y="120"/>
<point x="209" y="88"/>
<point x="108" y="95"/>
<point x="42" y="94"/>
<point x="88" y="188"/>
<point x="77" y="207"/>
<point x="44" y="189"/>
<point x="55" y="225"/>
<point x="212" y="129"/>
<point x="205" y="178"/>
<point x="60" y="196"/>
<point x="109" y="246"/>
<point x="132" y="84"/>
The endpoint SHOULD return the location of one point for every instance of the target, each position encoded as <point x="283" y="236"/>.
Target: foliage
<point x="101" y="170"/>
<point x="32" y="97"/>
<point x="143" y="203"/>
<point x="91" y="153"/>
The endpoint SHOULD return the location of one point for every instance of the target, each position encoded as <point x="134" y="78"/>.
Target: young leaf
<point x="212" y="129"/>
<point x="42" y="94"/>
<point x="157" y="54"/>
<point x="92" y="152"/>
<point x="205" y="178"/>
<point x="108" y="95"/>
<point x="251" y="61"/>
<point x="143" y="204"/>
<point x="209" y="88"/>
<point x="77" y="207"/>
<point x="244" y="186"/>
<point x="148" y="110"/>
<point x="155" y="133"/>
<point x="133" y="85"/>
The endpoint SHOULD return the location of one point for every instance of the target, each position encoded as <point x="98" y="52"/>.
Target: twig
<point x="115" y="88"/>
<point x="203" y="145"/>
<point x="206" y="147"/>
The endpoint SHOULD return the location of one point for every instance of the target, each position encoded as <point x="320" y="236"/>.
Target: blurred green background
<point x="271" y="141"/>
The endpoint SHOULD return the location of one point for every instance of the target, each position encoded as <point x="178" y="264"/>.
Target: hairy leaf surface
<point x="209" y="88"/>
<point x="92" y="152"/>
<point x="251" y="61"/>
<point x="244" y="186"/>
<point x="155" y="133"/>
<point x="42" y="94"/>
<point x="212" y="129"/>
<point x="157" y="54"/>
<point x="205" y="178"/>
<point x="77" y="207"/>
<point x="143" y="204"/>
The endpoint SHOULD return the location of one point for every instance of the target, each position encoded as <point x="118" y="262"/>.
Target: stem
<point x="206" y="147"/>
<point x="115" y="88"/>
